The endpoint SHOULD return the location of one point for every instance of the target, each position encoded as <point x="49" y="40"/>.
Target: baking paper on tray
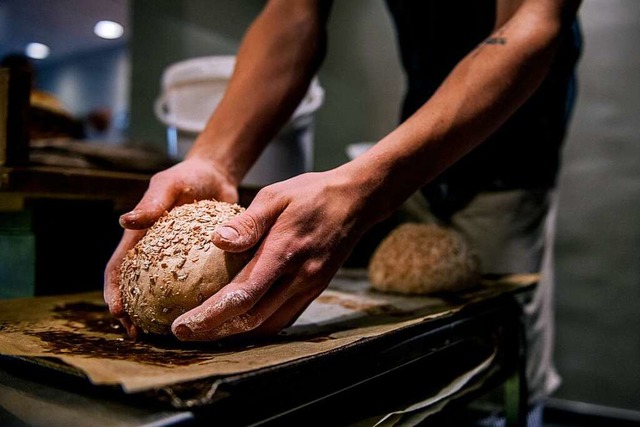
<point x="79" y="331"/>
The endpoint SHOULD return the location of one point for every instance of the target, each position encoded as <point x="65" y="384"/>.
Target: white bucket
<point x="191" y="91"/>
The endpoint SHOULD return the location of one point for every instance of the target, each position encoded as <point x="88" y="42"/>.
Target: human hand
<point x="112" y="295"/>
<point x="189" y="180"/>
<point x="192" y="179"/>
<point x="304" y="229"/>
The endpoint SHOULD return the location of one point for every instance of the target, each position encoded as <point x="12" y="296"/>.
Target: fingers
<point x="159" y="197"/>
<point x="252" y="283"/>
<point x="254" y="303"/>
<point x="286" y="316"/>
<point x="131" y="329"/>
<point x="112" y="271"/>
<point x="189" y="180"/>
<point x="275" y="311"/>
<point x="112" y="295"/>
<point x="244" y="231"/>
<point x="197" y="325"/>
<point x="235" y="299"/>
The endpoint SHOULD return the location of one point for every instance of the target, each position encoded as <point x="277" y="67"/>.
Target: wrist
<point x="212" y="156"/>
<point x="384" y="177"/>
<point x="367" y="188"/>
<point x="212" y="180"/>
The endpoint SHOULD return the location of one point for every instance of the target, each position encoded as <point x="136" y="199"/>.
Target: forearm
<point x="481" y="92"/>
<point x="275" y="63"/>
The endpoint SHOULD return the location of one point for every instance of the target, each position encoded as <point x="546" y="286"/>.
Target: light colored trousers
<point x="513" y="232"/>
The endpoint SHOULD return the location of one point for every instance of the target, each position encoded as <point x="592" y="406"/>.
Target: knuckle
<point x="266" y="193"/>
<point x="156" y="179"/>
<point x="313" y="268"/>
<point x="249" y="224"/>
<point x="240" y="300"/>
<point x="248" y="322"/>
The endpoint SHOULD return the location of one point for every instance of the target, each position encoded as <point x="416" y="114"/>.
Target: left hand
<point x="191" y="179"/>
<point x="305" y="228"/>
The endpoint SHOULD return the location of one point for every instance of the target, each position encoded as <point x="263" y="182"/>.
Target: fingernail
<point x="182" y="331"/>
<point x="227" y="233"/>
<point x="129" y="218"/>
<point x="133" y="333"/>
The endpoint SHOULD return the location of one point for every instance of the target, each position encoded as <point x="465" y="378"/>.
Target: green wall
<point x="17" y="255"/>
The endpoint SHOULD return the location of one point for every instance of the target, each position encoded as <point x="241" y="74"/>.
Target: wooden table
<point x="352" y="385"/>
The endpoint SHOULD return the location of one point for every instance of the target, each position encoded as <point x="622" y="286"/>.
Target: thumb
<point x="245" y="230"/>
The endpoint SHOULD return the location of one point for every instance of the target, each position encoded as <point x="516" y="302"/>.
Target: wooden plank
<point x="15" y="88"/>
<point x="124" y="189"/>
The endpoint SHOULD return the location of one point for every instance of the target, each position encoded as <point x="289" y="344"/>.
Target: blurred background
<point x="598" y="270"/>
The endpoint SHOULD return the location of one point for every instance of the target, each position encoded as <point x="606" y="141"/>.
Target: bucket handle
<point x="161" y="112"/>
<point x="316" y="92"/>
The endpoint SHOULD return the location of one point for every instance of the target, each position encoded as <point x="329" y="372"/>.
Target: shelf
<point x="123" y="188"/>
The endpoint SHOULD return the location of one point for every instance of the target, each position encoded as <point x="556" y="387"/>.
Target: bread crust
<point x="175" y="266"/>
<point x="418" y="258"/>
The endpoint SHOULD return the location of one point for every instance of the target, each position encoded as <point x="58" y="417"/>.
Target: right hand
<point x="189" y="180"/>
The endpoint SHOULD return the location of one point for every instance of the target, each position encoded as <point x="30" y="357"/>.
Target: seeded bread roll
<point x="423" y="259"/>
<point x="175" y="266"/>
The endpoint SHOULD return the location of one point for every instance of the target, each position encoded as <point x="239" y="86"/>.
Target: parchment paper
<point x="78" y="330"/>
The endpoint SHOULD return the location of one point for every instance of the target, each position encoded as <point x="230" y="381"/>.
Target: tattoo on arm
<point x="495" y="40"/>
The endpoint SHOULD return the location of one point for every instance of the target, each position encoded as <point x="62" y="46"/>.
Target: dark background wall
<point x="598" y="271"/>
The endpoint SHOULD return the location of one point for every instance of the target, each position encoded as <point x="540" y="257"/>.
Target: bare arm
<point x="278" y="57"/>
<point x="482" y="91"/>
<point x="305" y="227"/>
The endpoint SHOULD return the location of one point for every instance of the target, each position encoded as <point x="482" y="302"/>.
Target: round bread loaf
<point x="175" y="266"/>
<point x="423" y="259"/>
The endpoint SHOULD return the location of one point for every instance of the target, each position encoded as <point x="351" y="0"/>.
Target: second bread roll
<point x="420" y="258"/>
